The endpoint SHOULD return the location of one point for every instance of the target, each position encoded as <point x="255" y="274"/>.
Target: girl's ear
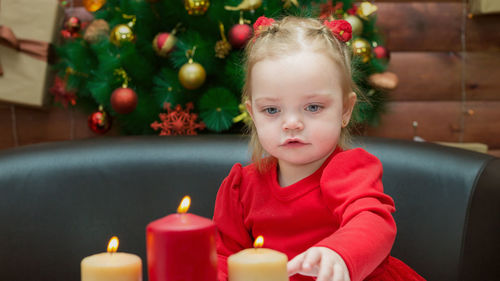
<point x="349" y="106"/>
<point x="248" y="105"/>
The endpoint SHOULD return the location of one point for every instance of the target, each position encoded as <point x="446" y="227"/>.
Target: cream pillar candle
<point x="257" y="264"/>
<point x="112" y="266"/>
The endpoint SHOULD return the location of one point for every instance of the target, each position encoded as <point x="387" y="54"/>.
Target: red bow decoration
<point x="260" y="23"/>
<point x="342" y="29"/>
<point x="36" y="49"/>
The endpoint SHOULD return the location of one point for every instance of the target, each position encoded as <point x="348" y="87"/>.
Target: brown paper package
<point x="26" y="80"/>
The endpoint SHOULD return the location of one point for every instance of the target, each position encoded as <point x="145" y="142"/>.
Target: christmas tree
<point x="180" y="62"/>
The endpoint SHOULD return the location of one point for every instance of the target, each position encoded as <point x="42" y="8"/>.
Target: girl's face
<point x="297" y="107"/>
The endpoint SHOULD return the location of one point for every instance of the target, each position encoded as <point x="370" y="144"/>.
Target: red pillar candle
<point x="181" y="247"/>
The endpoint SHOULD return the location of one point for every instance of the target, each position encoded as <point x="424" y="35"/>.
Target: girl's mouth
<point x="293" y="143"/>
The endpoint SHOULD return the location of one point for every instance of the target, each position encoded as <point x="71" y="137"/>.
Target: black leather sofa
<point x="60" y="202"/>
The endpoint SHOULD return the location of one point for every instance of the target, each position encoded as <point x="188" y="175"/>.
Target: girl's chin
<point x="295" y="161"/>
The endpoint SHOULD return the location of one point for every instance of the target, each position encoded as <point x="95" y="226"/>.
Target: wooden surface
<point x="448" y="67"/>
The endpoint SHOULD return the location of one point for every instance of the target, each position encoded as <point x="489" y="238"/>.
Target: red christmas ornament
<point x="239" y="35"/>
<point x="352" y="11"/>
<point x="164" y="43"/>
<point x="123" y="100"/>
<point x="99" y="122"/>
<point x="381" y="52"/>
<point x="72" y="27"/>
<point x="178" y="121"/>
<point x="60" y="93"/>
<point x="73" y="24"/>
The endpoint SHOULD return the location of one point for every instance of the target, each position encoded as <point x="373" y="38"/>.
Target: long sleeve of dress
<point x="352" y="188"/>
<point x="232" y="235"/>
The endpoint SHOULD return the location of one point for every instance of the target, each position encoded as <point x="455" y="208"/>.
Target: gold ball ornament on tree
<point x="196" y="7"/>
<point x="123" y="100"/>
<point x="192" y="75"/>
<point x="93" y="5"/>
<point x="97" y="29"/>
<point x="361" y="47"/>
<point x="121" y="33"/>
<point x="356" y="24"/>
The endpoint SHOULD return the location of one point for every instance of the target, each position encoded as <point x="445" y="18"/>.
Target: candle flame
<point x="184" y="206"/>
<point x="113" y="244"/>
<point x="259" y="242"/>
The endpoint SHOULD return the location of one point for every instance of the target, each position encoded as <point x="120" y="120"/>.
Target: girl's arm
<point x="232" y="235"/>
<point x="352" y="188"/>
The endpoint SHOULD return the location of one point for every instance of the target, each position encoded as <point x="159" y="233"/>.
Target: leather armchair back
<point x="60" y="202"/>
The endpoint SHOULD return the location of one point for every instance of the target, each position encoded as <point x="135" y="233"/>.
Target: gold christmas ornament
<point x="356" y="24"/>
<point x="97" y="29"/>
<point x="121" y="33"/>
<point x="366" y="9"/>
<point x="222" y="47"/>
<point x="362" y="48"/>
<point x="289" y="3"/>
<point x="196" y="7"/>
<point x="245" y="5"/>
<point x="93" y="5"/>
<point x="192" y="74"/>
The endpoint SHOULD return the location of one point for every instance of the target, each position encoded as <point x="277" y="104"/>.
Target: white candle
<point x="257" y="264"/>
<point x="111" y="266"/>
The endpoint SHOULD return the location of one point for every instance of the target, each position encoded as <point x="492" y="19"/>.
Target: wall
<point x="448" y="66"/>
<point x="448" y="69"/>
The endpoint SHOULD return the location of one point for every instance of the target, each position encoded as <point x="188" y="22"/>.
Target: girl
<point x="310" y="198"/>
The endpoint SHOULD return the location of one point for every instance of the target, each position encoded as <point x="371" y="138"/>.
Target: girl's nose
<point x="292" y="122"/>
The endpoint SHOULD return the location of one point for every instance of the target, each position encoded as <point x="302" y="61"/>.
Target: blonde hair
<point x="285" y="36"/>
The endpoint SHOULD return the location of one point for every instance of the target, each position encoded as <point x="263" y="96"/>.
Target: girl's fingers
<point x="311" y="259"/>
<point x="346" y="277"/>
<point x="338" y="273"/>
<point x="295" y="265"/>
<point x="325" y="270"/>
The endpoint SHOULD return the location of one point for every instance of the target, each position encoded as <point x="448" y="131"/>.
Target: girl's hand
<point x="322" y="262"/>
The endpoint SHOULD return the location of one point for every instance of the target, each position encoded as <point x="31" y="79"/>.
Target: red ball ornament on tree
<point x="99" y="122"/>
<point x="73" y="24"/>
<point x="381" y="52"/>
<point x="123" y="100"/>
<point x="239" y="35"/>
<point x="164" y="43"/>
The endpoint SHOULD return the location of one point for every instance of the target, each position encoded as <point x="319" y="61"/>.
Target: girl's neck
<point x="289" y="173"/>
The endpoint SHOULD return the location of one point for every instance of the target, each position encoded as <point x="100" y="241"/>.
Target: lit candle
<point x="181" y="246"/>
<point x="257" y="264"/>
<point x="112" y="266"/>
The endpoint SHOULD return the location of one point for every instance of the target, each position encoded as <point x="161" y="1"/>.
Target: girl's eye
<point x="313" y="108"/>
<point x="271" y="110"/>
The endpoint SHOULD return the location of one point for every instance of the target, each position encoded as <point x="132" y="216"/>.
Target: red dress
<point x="340" y="206"/>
